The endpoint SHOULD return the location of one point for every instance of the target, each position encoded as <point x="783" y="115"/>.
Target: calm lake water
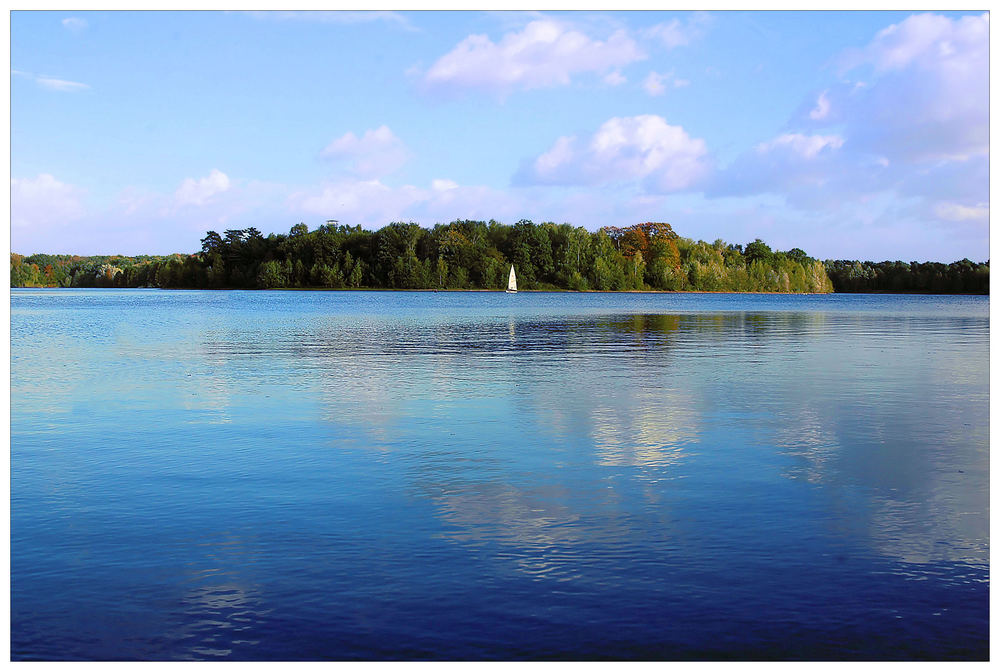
<point x="388" y="475"/>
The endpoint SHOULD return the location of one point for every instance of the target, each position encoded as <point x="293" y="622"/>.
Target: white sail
<point x="512" y="281"/>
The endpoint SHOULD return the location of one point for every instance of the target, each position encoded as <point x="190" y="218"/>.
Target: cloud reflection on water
<point x="676" y="457"/>
<point x="631" y="391"/>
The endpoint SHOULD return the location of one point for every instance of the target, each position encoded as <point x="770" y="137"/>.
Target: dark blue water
<point x="354" y="475"/>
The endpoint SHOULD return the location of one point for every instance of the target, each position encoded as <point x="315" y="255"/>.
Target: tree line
<point x="958" y="277"/>
<point x="70" y="270"/>
<point x="463" y="254"/>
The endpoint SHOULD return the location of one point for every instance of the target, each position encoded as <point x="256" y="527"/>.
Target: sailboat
<point x="512" y="282"/>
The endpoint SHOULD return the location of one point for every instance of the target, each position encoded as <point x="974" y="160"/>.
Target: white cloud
<point x="545" y="53"/>
<point x="141" y="221"/>
<point x="671" y="34"/>
<point x="368" y="202"/>
<point x="614" y="78"/>
<point x="643" y="148"/>
<point x="443" y="185"/>
<point x="928" y="97"/>
<point x="801" y="146"/>
<point x="60" y="84"/>
<point x="653" y="84"/>
<point x="469" y="202"/>
<point x="374" y="204"/>
<point x="909" y="125"/>
<point x="956" y="212"/>
<point x="822" y="108"/>
<point x="43" y="201"/>
<point x="563" y="153"/>
<point x="923" y="40"/>
<point x="656" y="83"/>
<point x="376" y="153"/>
<point x="198" y="192"/>
<point x="676" y="33"/>
<point x="965" y="182"/>
<point x="74" y="24"/>
<point x="336" y="17"/>
<point x="48" y="215"/>
<point x="51" y="83"/>
<point x="804" y="169"/>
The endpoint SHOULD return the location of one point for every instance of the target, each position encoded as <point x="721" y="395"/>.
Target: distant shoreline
<point x="642" y="258"/>
<point x="520" y="291"/>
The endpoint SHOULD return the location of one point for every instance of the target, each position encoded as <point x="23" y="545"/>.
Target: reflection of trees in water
<point x="394" y="351"/>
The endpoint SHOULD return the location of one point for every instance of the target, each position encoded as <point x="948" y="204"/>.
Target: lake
<point x="464" y="475"/>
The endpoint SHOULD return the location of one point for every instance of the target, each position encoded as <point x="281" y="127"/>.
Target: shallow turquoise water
<point x="386" y="475"/>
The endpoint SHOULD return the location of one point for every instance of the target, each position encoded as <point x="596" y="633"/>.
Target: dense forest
<point x="959" y="277"/>
<point x="477" y="255"/>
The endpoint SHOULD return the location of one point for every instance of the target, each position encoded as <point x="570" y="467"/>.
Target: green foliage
<point x="577" y="282"/>
<point x="959" y="277"/>
<point x="758" y="250"/>
<point x="272" y="275"/>
<point x="467" y="254"/>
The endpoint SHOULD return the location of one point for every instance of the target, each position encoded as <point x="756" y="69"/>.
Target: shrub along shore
<point x="477" y="255"/>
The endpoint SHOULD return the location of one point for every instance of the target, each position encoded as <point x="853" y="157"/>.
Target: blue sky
<point x="850" y="135"/>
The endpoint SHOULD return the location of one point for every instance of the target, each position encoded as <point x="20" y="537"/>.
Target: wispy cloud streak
<point x="52" y="83"/>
